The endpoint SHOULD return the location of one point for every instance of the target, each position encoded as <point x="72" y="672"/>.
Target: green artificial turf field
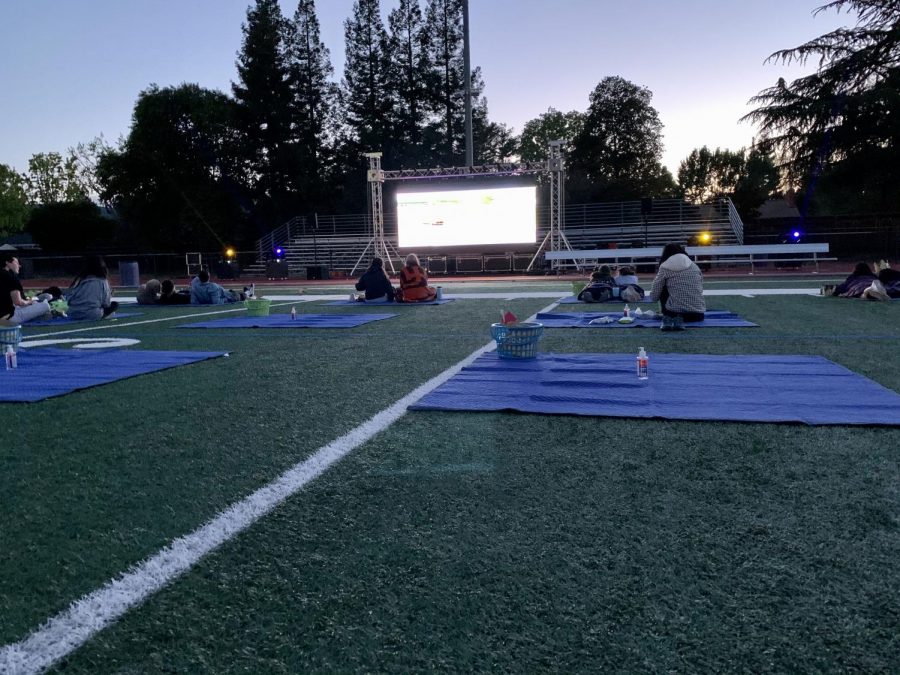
<point x="458" y="541"/>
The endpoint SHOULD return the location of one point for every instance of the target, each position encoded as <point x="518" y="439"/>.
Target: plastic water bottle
<point x="643" y="365"/>
<point x="293" y="313"/>
<point x="10" y="358"/>
<point x="627" y="311"/>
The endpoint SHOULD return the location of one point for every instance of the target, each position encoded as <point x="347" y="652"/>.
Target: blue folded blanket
<point x="46" y="372"/>
<point x="713" y="319"/>
<point x="756" y="388"/>
<point x="285" y="321"/>
<point x="388" y="305"/>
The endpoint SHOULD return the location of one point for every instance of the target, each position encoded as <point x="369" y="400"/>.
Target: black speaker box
<point x="277" y="269"/>
<point x="317" y="272"/>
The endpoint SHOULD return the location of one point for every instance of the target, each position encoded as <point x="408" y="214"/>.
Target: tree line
<point x="200" y="168"/>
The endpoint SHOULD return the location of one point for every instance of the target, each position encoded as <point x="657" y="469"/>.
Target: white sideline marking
<point x="83" y="343"/>
<point x="87" y="616"/>
<point x="115" y="324"/>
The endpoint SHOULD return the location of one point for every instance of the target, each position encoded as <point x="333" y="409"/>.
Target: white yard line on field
<point x="109" y="323"/>
<point x="68" y="630"/>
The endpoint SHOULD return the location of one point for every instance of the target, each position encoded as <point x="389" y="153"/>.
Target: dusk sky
<point x="71" y="70"/>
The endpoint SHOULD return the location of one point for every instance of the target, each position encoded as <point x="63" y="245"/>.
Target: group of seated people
<point x="604" y="286"/>
<point x="413" y="287"/>
<point x="202" y="292"/>
<point x="88" y="297"/>
<point x="678" y="287"/>
<point x="164" y="292"/>
<point x="882" y="284"/>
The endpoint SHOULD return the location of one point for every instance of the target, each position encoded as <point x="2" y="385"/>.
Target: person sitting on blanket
<point x="678" y="287"/>
<point x="375" y="283"/>
<point x="627" y="281"/>
<point x="414" y="283"/>
<point x="169" y="295"/>
<point x="148" y="294"/>
<point x="601" y="287"/>
<point x="89" y="295"/>
<point x="15" y="308"/>
<point x="855" y="285"/>
<point x="206" y="292"/>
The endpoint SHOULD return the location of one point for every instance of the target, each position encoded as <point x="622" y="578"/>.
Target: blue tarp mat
<point x="63" y="320"/>
<point x="573" y="300"/>
<point x="389" y="305"/>
<point x="714" y="318"/>
<point x="756" y="388"/>
<point x="285" y="321"/>
<point x="47" y="372"/>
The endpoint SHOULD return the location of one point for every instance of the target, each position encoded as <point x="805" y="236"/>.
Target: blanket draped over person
<point x="414" y="282"/>
<point x="629" y="288"/>
<point x="890" y="278"/>
<point x="864" y="283"/>
<point x="600" y="288"/>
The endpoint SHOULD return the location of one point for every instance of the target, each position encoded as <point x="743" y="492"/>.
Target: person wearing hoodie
<point x="376" y="283"/>
<point x="678" y="287"/>
<point x="206" y="292"/>
<point x="89" y="296"/>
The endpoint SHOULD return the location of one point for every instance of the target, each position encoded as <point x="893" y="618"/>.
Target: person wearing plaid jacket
<point x="678" y="286"/>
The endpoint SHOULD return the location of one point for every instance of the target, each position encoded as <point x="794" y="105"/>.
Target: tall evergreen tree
<point x="313" y="96"/>
<point x="366" y="78"/>
<point x="837" y="131"/>
<point x="493" y="141"/>
<point x="263" y="96"/>
<point x="408" y="81"/>
<point x="445" y="80"/>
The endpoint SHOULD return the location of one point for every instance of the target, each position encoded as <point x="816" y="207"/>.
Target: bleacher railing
<point x="737" y="225"/>
<point x="605" y="221"/>
<point x="280" y="236"/>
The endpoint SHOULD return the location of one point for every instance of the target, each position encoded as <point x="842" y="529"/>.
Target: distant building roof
<point x="20" y="240"/>
<point x="778" y="207"/>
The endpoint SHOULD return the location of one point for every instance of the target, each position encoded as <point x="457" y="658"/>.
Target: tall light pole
<point x="467" y="67"/>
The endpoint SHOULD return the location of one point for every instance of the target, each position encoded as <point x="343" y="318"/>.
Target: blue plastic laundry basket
<point x="517" y="341"/>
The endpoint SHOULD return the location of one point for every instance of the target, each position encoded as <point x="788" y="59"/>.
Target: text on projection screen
<point x="467" y="217"/>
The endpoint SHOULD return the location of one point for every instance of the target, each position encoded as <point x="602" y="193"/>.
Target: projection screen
<point x="503" y="215"/>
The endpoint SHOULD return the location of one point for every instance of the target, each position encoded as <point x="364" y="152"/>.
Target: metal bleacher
<point x="338" y="242"/>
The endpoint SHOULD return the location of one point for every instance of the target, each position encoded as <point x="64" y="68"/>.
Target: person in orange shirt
<point x="414" y="283"/>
